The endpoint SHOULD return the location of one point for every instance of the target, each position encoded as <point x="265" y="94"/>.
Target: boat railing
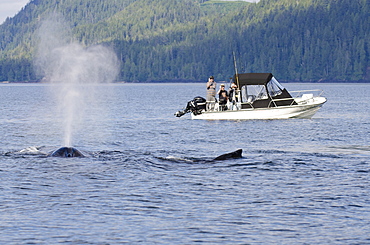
<point x="303" y="95"/>
<point x="250" y="104"/>
<point x="273" y="104"/>
<point x="299" y="93"/>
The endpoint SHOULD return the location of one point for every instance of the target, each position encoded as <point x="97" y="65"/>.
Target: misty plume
<point x="73" y="71"/>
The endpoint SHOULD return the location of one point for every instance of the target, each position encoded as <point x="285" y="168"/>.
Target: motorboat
<point x="257" y="96"/>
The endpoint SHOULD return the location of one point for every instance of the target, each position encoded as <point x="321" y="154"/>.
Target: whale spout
<point x="67" y="152"/>
<point x="234" y="154"/>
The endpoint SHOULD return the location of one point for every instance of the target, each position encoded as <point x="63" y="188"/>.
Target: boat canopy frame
<point x="274" y="93"/>
<point x="252" y="79"/>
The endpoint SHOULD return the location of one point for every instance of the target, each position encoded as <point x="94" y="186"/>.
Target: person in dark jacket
<point x="222" y="97"/>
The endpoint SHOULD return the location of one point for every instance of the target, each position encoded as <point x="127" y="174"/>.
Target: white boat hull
<point x="306" y="110"/>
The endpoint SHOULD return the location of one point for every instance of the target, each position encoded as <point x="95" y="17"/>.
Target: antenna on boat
<point x="236" y="71"/>
<point x="236" y="93"/>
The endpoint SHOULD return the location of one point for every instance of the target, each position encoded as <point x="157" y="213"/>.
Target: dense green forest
<point x="188" y="40"/>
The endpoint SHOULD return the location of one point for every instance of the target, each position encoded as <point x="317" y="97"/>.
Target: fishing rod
<point x="236" y="94"/>
<point x="236" y="71"/>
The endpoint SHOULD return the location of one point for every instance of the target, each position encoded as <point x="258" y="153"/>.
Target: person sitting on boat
<point x="223" y="97"/>
<point x="211" y="93"/>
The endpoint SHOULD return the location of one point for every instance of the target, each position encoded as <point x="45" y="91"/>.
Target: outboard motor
<point x="196" y="106"/>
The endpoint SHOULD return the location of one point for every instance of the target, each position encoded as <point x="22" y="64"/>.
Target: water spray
<point x="73" y="72"/>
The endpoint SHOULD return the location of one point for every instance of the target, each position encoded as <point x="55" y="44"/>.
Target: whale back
<point x="67" y="152"/>
<point x="234" y="154"/>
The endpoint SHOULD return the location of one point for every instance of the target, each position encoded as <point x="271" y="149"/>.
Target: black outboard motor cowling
<point x="196" y="106"/>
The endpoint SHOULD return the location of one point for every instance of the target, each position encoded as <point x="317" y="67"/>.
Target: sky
<point x="9" y="8"/>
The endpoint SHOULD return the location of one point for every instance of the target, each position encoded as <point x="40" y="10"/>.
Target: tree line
<point x="156" y="40"/>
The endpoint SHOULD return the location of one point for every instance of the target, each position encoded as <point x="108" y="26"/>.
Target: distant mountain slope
<point x="302" y="40"/>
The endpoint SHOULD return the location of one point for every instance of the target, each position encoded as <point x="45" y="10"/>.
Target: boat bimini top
<point x="261" y="90"/>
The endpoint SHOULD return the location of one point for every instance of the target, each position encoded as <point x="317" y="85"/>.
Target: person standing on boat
<point x="223" y="97"/>
<point x="232" y="92"/>
<point x="211" y="93"/>
<point x="233" y="96"/>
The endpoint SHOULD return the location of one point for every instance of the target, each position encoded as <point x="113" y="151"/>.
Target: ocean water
<point x="149" y="178"/>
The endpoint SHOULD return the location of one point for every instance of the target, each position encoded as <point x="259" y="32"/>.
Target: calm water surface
<point x="147" y="178"/>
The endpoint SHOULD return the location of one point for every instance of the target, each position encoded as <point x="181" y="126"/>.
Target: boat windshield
<point x="274" y="87"/>
<point x="251" y="93"/>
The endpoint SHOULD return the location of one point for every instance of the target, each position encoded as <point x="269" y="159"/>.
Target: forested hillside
<point x="157" y="40"/>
